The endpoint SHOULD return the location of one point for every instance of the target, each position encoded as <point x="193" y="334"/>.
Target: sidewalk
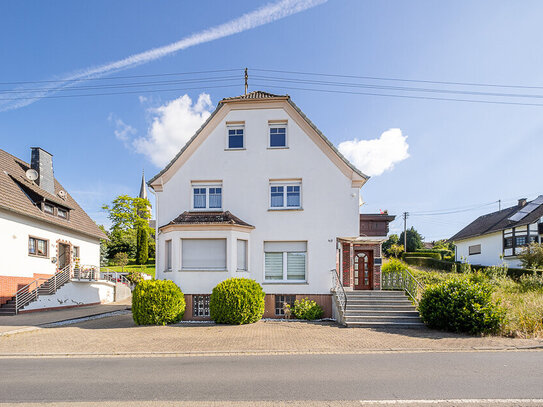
<point x="27" y="321"/>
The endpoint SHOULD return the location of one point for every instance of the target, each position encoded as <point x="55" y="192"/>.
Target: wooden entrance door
<point x="64" y="255"/>
<point x="363" y="267"/>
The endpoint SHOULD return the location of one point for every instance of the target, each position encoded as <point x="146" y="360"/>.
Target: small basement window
<point x="475" y="249"/>
<point x="281" y="300"/>
<point x="200" y="305"/>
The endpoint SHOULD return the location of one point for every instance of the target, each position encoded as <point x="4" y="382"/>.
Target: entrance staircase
<point x="380" y="309"/>
<point x="32" y="291"/>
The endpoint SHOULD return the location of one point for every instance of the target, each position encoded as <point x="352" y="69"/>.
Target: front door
<point x="363" y="266"/>
<point x="64" y="257"/>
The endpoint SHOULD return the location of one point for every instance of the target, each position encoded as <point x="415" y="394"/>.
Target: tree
<point x="531" y="256"/>
<point x="385" y="247"/>
<point x="121" y="259"/>
<point x="142" y="251"/>
<point x="127" y="215"/>
<point x="414" y="240"/>
<point x="396" y="249"/>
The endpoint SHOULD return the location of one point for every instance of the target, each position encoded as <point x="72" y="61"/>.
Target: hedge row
<point x="432" y="255"/>
<point x="514" y="273"/>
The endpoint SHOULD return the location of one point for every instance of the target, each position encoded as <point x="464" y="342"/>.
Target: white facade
<point x="329" y="199"/>
<point x="491" y="250"/>
<point x="15" y="260"/>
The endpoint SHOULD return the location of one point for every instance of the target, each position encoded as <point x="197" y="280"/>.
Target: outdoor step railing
<point x="337" y="288"/>
<point x="83" y="272"/>
<point x="402" y="280"/>
<point x="32" y="291"/>
<point x="116" y="277"/>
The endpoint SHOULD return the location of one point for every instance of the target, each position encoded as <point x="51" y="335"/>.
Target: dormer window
<point x="62" y="213"/>
<point x="206" y="196"/>
<point x="50" y="209"/>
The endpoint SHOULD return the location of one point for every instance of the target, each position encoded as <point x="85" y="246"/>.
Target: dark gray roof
<point x="208" y="218"/>
<point x="259" y="95"/>
<point x="497" y="221"/>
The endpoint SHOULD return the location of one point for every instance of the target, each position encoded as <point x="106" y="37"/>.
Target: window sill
<point x="284" y="209"/>
<point x="38" y="256"/>
<point x="286" y="282"/>
<point x="277" y="148"/>
<point x="206" y="210"/>
<point x="242" y="271"/>
<point x="202" y="271"/>
<point x="235" y="149"/>
<point x="167" y="271"/>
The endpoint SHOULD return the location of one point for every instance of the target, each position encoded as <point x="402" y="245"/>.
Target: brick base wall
<point x="9" y="285"/>
<point x="324" y="300"/>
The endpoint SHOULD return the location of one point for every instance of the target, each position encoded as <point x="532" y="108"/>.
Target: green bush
<point x="431" y="277"/>
<point x="431" y="255"/>
<point x="392" y="265"/>
<point x="237" y="301"/>
<point x="157" y="302"/>
<point x="531" y="282"/>
<point x="431" y="263"/>
<point x="307" y="309"/>
<point x="460" y="305"/>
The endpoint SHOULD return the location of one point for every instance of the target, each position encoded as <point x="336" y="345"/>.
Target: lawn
<point x="147" y="269"/>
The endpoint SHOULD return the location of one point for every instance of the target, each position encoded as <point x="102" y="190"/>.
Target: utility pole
<point x="405" y="215"/>
<point x="246" y="80"/>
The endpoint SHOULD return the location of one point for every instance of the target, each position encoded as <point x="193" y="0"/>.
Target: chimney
<point x="42" y="162"/>
<point x="521" y="202"/>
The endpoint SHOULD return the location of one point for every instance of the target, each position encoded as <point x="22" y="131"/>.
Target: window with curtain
<point x="37" y="247"/>
<point x="206" y="196"/>
<point x="203" y="254"/>
<point x="285" y="261"/>
<point x="242" y="255"/>
<point x="285" y="196"/>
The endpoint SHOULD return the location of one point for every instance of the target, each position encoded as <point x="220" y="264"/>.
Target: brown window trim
<point x="46" y="256"/>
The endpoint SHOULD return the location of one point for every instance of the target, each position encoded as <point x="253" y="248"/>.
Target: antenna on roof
<point x="246" y="79"/>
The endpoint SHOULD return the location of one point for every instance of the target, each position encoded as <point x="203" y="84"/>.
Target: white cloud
<point x="122" y="130"/>
<point x="261" y="16"/>
<point x="173" y="124"/>
<point x="373" y="157"/>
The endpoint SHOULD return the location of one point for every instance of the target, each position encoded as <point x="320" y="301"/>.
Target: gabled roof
<point x="208" y="218"/>
<point x="265" y="97"/>
<point x="18" y="195"/>
<point x="497" y="221"/>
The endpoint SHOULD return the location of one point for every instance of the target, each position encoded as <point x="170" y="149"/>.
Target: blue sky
<point x="461" y="155"/>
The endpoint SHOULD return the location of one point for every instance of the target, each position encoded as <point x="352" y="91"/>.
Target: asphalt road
<point x="419" y="376"/>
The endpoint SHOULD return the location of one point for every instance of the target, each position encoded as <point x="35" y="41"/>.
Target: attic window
<point x="50" y="209"/>
<point x="62" y="213"/>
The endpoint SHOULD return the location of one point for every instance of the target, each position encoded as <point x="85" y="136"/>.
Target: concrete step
<point x="378" y="302"/>
<point x="402" y="325"/>
<point x="385" y="313"/>
<point x="385" y="319"/>
<point x="370" y="307"/>
<point x="375" y="293"/>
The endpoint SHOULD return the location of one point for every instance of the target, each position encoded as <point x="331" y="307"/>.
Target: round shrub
<point x="237" y="301"/>
<point x="461" y="305"/>
<point x="157" y="302"/>
<point x="306" y="309"/>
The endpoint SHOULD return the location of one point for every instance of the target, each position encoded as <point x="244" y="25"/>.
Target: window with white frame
<point x="236" y="137"/>
<point x="242" y="255"/>
<point x="203" y="254"/>
<point x="168" y="255"/>
<point x="278" y="135"/>
<point x="206" y="196"/>
<point x="285" y="261"/>
<point x="286" y="195"/>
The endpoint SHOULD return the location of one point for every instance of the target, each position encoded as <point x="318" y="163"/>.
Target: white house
<point x="499" y="237"/>
<point x="259" y="192"/>
<point x="42" y="228"/>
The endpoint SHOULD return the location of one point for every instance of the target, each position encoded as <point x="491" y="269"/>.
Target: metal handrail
<point x="402" y="280"/>
<point x="31" y="291"/>
<point x="340" y="293"/>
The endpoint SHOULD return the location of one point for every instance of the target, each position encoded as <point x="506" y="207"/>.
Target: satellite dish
<point x="62" y="194"/>
<point x="32" y="174"/>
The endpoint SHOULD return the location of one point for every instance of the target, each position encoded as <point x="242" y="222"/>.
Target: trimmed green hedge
<point x="431" y="263"/>
<point x="432" y="255"/>
<point x="237" y="301"/>
<point x="157" y="302"/>
<point x="461" y="306"/>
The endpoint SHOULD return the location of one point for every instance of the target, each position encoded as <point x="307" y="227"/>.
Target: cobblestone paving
<point x="118" y="334"/>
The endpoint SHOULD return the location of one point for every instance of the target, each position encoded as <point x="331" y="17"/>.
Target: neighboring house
<point x="500" y="236"/>
<point x="260" y="192"/>
<point x="42" y="228"/>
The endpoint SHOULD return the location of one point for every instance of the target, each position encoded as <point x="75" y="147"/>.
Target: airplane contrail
<point x="261" y="16"/>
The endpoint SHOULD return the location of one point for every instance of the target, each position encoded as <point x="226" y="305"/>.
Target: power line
<point x="496" y="102"/>
<point x="400" y="79"/>
<point x="121" y="77"/>
<point x="453" y="210"/>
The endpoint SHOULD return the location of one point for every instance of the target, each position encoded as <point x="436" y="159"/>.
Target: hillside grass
<point x="147" y="269"/>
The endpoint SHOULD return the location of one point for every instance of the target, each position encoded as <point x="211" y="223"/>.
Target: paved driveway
<point x="118" y="335"/>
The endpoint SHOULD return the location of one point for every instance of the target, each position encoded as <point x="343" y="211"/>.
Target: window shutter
<point x="274" y="266"/>
<point x="242" y="254"/>
<point x="295" y="266"/>
<point x="203" y="254"/>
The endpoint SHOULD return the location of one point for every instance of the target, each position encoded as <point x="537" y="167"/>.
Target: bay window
<point x="203" y="254"/>
<point x="242" y="255"/>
